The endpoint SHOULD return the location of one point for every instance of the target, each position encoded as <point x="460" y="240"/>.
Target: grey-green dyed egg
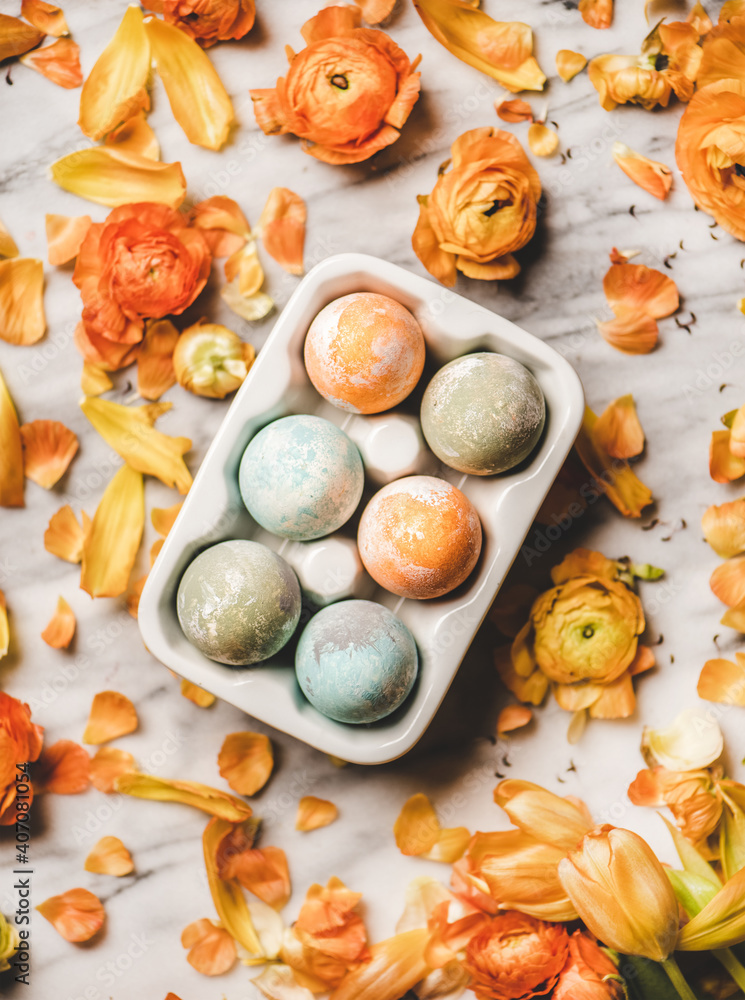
<point x="483" y="413"/>
<point x="238" y="602"/>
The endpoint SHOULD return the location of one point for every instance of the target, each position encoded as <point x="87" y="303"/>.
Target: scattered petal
<point x="16" y="37"/>
<point x="376" y="11"/>
<point x="4" y="627"/>
<point x="229" y="901"/>
<point x="723" y="681"/>
<point x="45" y="16"/>
<point x="618" y="431"/>
<point x="314" y="813"/>
<point x="211" y="949"/>
<point x="112" y="715"/>
<point x="210" y="360"/>
<point x="395" y="966"/>
<point x="569" y="64"/>
<point x="263" y="871"/>
<point x="58" y="62"/>
<point x="328" y="922"/>
<point x="728" y="581"/>
<point x="250" y="308"/>
<point x="61" y="628"/>
<point x="77" y="914"/>
<point x="94" y="380"/>
<point x="282" y="227"/>
<point x="64" y="536"/>
<point x="724" y="467"/>
<point x="48" y="449"/>
<point x="197" y="694"/>
<point x="22" y="319"/>
<point x="631" y="333"/>
<point x="8" y="246"/>
<point x="246" y="761"/>
<point x="451" y="845"/>
<point x="110" y="545"/>
<point x="278" y="982"/>
<point x="515" y="111"/>
<point x="543" y="141"/>
<point x="693" y="741"/>
<point x="155" y="374"/>
<point x="513" y="717"/>
<point x="107" y="765"/>
<point x="597" y="13"/>
<point x="651" y="175"/>
<point x="63" y="769"/>
<point x="735" y="618"/>
<point x="112" y="176"/>
<point x="636" y="288"/>
<point x="135" y="136"/>
<point x="223" y="224"/>
<point x="110" y="857"/>
<point x="190" y="793"/>
<point x="417" y="828"/>
<point x="11" y="452"/>
<point x="724" y="528"/>
<point x="64" y="235"/>
<point x="613" y="477"/>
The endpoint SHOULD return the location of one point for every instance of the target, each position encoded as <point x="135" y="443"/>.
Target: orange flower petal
<point x="22" y="319"/>
<point x="197" y="694"/>
<point x="376" y="11"/>
<point x="282" y="226"/>
<point x="737" y="431"/>
<point x="64" y="236"/>
<point x="515" y="111"/>
<point x="548" y="818"/>
<point x="58" y="62"/>
<point x="212" y="950"/>
<point x="163" y="518"/>
<point x="16" y="37"/>
<point x="109" y="857"/>
<point x="728" y="581"/>
<point x="112" y="176"/>
<point x="451" y="845"/>
<point x="649" y="174"/>
<point x="11" y="452"/>
<point x="618" y="431"/>
<point x="112" y="715"/>
<point x="426" y="246"/>
<point x="223" y="224"/>
<point x="611" y="476"/>
<point x="630" y="333"/>
<point x="199" y="102"/>
<point x="264" y="872"/>
<point x="244" y="268"/>
<point x="724" y="528"/>
<point x="77" y="914"/>
<point x="395" y="966"/>
<point x="417" y="828"/>
<point x="530" y="688"/>
<point x="115" y="88"/>
<point x="543" y="141"/>
<point x="617" y="700"/>
<point x="94" y="380"/>
<point x="597" y="13"/>
<point x="64" y="536"/>
<point x="227" y="896"/>
<point x="45" y="16"/>
<point x="134" y="593"/>
<point x="246" y="761"/>
<point x="735" y="618"/>
<point x="48" y="449"/>
<point x="110" y="545"/>
<point x="107" y="765"/>
<point x="135" y="136"/>
<point x="723" y="681"/>
<point x="513" y="717"/>
<point x="569" y="64"/>
<point x="61" y="628"/>
<point x="63" y="769"/>
<point x="724" y="467"/>
<point x="131" y="433"/>
<point x="328" y="922"/>
<point x="190" y="793"/>
<point x="155" y="374"/>
<point x="636" y="288"/>
<point x="700" y="19"/>
<point x="8" y="246"/>
<point x="314" y="813"/>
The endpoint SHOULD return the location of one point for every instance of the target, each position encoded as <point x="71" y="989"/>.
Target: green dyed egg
<point x="483" y="413"/>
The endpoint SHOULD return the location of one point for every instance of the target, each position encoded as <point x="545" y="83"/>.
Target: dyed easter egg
<point x="419" y="537"/>
<point x="356" y="661"/>
<point x="483" y="413"/>
<point x="364" y="352"/>
<point x="301" y="477"/>
<point x="238" y="602"/>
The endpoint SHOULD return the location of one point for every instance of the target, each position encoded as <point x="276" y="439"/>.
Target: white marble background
<point x="372" y="208"/>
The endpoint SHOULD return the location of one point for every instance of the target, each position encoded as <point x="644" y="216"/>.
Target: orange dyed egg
<point x="419" y="537"/>
<point x="364" y="352"/>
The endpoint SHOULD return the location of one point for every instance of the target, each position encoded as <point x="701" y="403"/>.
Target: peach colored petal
<point x="11" y="452"/>
<point x="612" y="477"/>
<point x="500" y="269"/>
<point x="22" y="319"/>
<point x="655" y="177"/>
<point x="134" y="593"/>
<point x="4" y="627"/>
<point x="426" y="246"/>
<point x="728" y="581"/>
<point x="245" y="266"/>
<point x="700" y="19"/>
<point x="110" y="857"/>
<point x="64" y="236"/>
<point x="724" y="467"/>
<point x="328" y="922"/>
<point x="618" y="430"/>
<point x="597" y="13"/>
<point x="94" y="380"/>
<point x="314" y="813"/>
<point x="636" y="288"/>
<point x="222" y="223"/>
<point x="112" y="176"/>
<point x="58" y="62"/>
<point x="197" y="694"/>
<point x="417" y="828"/>
<point x="569" y="64"/>
<point x="515" y="111"/>
<point x="617" y="700"/>
<point x="724" y="528"/>
<point x="630" y="333"/>
<point x="48" y="449"/>
<point x="191" y="793"/>
<point x="61" y="628"/>
<point x="155" y="374"/>
<point x="264" y="872"/>
<point x="395" y="966"/>
<point x="163" y="518"/>
<point x="63" y="769"/>
<point x="8" y="246"/>
<point x="16" y="37"/>
<point x="64" y="536"/>
<point x="112" y="715"/>
<point x="282" y="227"/>
<point x="135" y="136"/>
<point x="45" y="16"/>
<point x="723" y="681"/>
<point x="643" y="661"/>
<point x="76" y="914"/>
<point x="735" y="618"/>
<point x="107" y="765"/>
<point x="212" y="950"/>
<point x="737" y="432"/>
<point x="246" y="761"/>
<point x="376" y="11"/>
<point x="450" y="846"/>
<point x="543" y="141"/>
<point x="513" y="717"/>
<point x="110" y="545"/>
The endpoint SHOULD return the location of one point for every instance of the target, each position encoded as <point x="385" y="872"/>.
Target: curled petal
<point x="64" y="236"/>
<point x="210" y="360"/>
<point x="112" y="176"/>
<point x="728" y="581"/>
<point x="197" y="694"/>
<point x="48" y="449"/>
<point x="199" y="102"/>
<point x="723" y="681"/>
<point x="246" y="761"/>
<point x="597" y="13"/>
<point x="22" y="319"/>
<point x="618" y="430"/>
<point x="189" y="793"/>
<point x="251" y="307"/>
<point x="58" y="62"/>
<point x="60" y="630"/>
<point x="417" y="828"/>
<point x="112" y="715"/>
<point x="611" y="476"/>
<point x="542" y="815"/>
<point x="282" y="225"/>
<point x="114" y="90"/>
<point x="724" y="528"/>
<point x="376" y="11"/>
<point x="16" y="37"/>
<point x="693" y="741"/>
<point x="543" y="141"/>
<point x="11" y="452"/>
<point x="569" y="64"/>
<point x="636" y="288"/>
<point x="155" y="374"/>
<point x="110" y="545"/>
<point x="426" y="246"/>
<point x="8" y="246"/>
<point x="314" y="813"/>
<point x="655" y="177"/>
<point x="110" y="857"/>
<point x="107" y="765"/>
<point x="63" y="769"/>
<point x="45" y="16"/>
<point x="64" y="536"/>
<point x="211" y="949"/>
<point x="223" y="224"/>
<point x="513" y="717"/>
<point x="245" y="267"/>
<point x="226" y="892"/>
<point x="94" y="380"/>
<point x="724" y="467"/>
<point x="328" y="922"/>
<point x="264" y="872"/>
<point x="450" y="845"/>
<point x="395" y="965"/>
<point x="515" y="111"/>
<point x="77" y="914"/>
<point x="135" y="136"/>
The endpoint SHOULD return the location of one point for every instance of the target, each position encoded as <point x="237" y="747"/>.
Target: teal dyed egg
<point x="301" y="477"/>
<point x="238" y="602"/>
<point x="356" y="661"/>
<point x="483" y="413"/>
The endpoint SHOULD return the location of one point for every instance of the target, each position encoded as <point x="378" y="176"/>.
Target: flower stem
<point x="731" y="964"/>
<point x="677" y="979"/>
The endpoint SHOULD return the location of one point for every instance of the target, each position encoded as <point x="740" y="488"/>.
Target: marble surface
<point x="681" y="390"/>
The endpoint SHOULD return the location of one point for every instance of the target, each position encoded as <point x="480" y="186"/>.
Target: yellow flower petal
<point x="112" y="541"/>
<point x="8" y="246"/>
<point x="314" y="813"/>
<point x="417" y="828"/>
<point x="246" y="761"/>
<point x="109" y="857"/>
<point x="115" y="88"/>
<point x="724" y="467"/>
<point x="251" y="308"/>
<point x="569" y="64"/>
<point x="11" y="452"/>
<point x="155" y="374"/>
<point x="61" y="628"/>
<point x="723" y="681"/>
<point x="724" y="528"/>
<point x="245" y="266"/>
<point x="282" y="226"/>
<point x="198" y="99"/>
<point x="450" y="846"/>
<point x="64" y="537"/>
<point x="112" y="176"/>
<point x="130" y="432"/>
<point x="197" y="694"/>
<point x="22" y="318"/>
<point x="107" y="765"/>
<point x="227" y="895"/>
<point x="597" y="13"/>
<point x="543" y="141"/>
<point x="612" y="477"/>
<point x="64" y="236"/>
<point x="395" y="966"/>
<point x="45" y="16"/>
<point x="190" y="793"/>
<point x="4" y="627"/>
<point x="735" y="618"/>
<point x="48" y="449"/>
<point x="135" y="136"/>
<point x="539" y="813"/>
<point x="721" y="923"/>
<point x="94" y="380"/>
<point x="16" y="37"/>
<point x="112" y="715"/>
<point x="618" y="431"/>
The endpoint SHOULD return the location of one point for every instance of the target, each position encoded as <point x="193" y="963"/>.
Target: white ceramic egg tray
<point x="443" y="628"/>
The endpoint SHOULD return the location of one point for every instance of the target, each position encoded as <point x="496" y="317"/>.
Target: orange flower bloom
<point x="724" y="53"/>
<point x="693" y="797"/>
<point x="584" y="975"/>
<point x="709" y="151"/>
<point x="207" y="21"/>
<point x="144" y="262"/>
<point x="516" y="956"/>
<point x="479" y="212"/>
<point x="20" y="743"/>
<point x="346" y="95"/>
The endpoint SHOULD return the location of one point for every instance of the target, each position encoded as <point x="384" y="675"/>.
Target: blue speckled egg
<point x="238" y="602"/>
<point x="301" y="477"/>
<point x="356" y="662"/>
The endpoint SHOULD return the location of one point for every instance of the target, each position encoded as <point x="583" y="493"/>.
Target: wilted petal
<point x="543" y="141"/>
<point x="115" y="88"/>
<point x="197" y="694"/>
<point x="112" y="715"/>
<point x="190" y="793"/>
<point x="227" y="896"/>
<point x="724" y="467"/>
<point x="618" y="430"/>
<point x="630" y="333"/>
<point x="251" y="308"/>
<point x="728" y="581"/>
<point x="636" y="288"/>
<point x="210" y="360"/>
<point x="63" y="769"/>
<point x="155" y="374"/>
<point x="112" y="176"/>
<point x="613" y="477"/>
<point x="107" y="765"/>
<point x="513" y="717"/>
<point x="109" y="857"/>
<point x="723" y="681"/>
<point x="110" y="545"/>
<point x="246" y="761"/>
<point x="94" y="380"/>
<point x="264" y="872"/>
<point x="16" y="37"/>
<point x="223" y="224"/>
<point x="48" y="449"/>
<point x="700" y="19"/>
<point x="58" y="62"/>
<point x="395" y="966"/>
<point x="211" y="949"/>
<point x="655" y="177"/>
<point x="569" y="64"/>
<point x="515" y="111"/>
<point x="45" y="16"/>
<point x="282" y="227"/>
<point x="8" y="246"/>
<point x="135" y="136"/>
<point x="542" y="815"/>
<point x="77" y="914"/>
<point x="450" y="846"/>
<point x="199" y="102"/>
<point x="597" y="13"/>
<point x="61" y="628"/>
<point x="314" y="813"/>
<point x="22" y="318"/>
<point x="64" y="536"/>
<point x="724" y="528"/>
<point x="417" y="828"/>
<point x="64" y="236"/>
<point x="11" y="452"/>
<point x="329" y="922"/>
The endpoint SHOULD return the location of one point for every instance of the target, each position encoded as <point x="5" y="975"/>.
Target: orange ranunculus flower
<point x="516" y="957"/>
<point x="347" y="94"/>
<point x="480" y="211"/>
<point x="207" y="21"/>
<point x="724" y="53"/>
<point x="710" y="151"/>
<point x="693" y="797"/>
<point x="143" y="262"/>
<point x="20" y="743"/>
<point x="584" y="975"/>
